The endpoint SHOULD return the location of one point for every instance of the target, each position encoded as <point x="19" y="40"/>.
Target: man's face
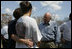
<point x="47" y="18"/>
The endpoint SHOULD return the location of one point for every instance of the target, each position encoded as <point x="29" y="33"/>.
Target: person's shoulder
<point x="53" y="22"/>
<point x="68" y="22"/>
<point x="32" y="18"/>
<point x="11" y="22"/>
<point x="63" y="24"/>
<point x="41" y="23"/>
<point x="5" y="27"/>
<point x="20" y="19"/>
<point x="23" y="19"/>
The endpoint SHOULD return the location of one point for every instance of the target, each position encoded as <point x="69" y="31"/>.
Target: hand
<point x="38" y="44"/>
<point x="29" y="42"/>
<point x="63" y="41"/>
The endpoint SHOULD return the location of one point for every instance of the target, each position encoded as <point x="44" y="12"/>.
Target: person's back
<point x="69" y="28"/>
<point x="66" y="27"/>
<point x="26" y="27"/>
<point x="29" y="27"/>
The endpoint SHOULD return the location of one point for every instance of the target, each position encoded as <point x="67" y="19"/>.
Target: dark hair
<point x="17" y="13"/>
<point x="25" y="6"/>
<point x="70" y="16"/>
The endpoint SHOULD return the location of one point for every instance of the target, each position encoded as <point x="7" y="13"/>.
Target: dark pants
<point x="67" y="44"/>
<point x="47" y="45"/>
<point x="8" y="43"/>
<point x="5" y="43"/>
<point x="11" y="44"/>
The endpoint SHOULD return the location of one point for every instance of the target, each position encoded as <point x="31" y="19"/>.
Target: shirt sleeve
<point x="2" y="31"/>
<point x="37" y="33"/>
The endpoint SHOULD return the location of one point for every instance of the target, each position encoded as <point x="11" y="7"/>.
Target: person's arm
<point x="37" y="34"/>
<point x="2" y="37"/>
<point x="25" y="41"/>
<point x="20" y="29"/>
<point x="61" y="30"/>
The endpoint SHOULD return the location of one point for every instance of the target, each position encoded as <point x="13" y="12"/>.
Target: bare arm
<point x="25" y="41"/>
<point x="16" y="38"/>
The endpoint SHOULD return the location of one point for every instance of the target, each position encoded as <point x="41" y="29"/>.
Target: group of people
<point x="23" y="31"/>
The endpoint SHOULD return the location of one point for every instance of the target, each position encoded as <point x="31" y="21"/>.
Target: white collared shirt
<point x="4" y="32"/>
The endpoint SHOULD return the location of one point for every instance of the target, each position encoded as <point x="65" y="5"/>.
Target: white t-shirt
<point x="29" y="26"/>
<point x="66" y="28"/>
<point x="4" y="32"/>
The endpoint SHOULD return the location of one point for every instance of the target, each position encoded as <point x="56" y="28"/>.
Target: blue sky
<point x="60" y="9"/>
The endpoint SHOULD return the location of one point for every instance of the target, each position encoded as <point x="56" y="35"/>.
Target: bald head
<point x="47" y="17"/>
<point x="47" y="14"/>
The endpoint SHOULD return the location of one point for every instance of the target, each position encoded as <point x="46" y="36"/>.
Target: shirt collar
<point x="46" y="23"/>
<point x="25" y="16"/>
